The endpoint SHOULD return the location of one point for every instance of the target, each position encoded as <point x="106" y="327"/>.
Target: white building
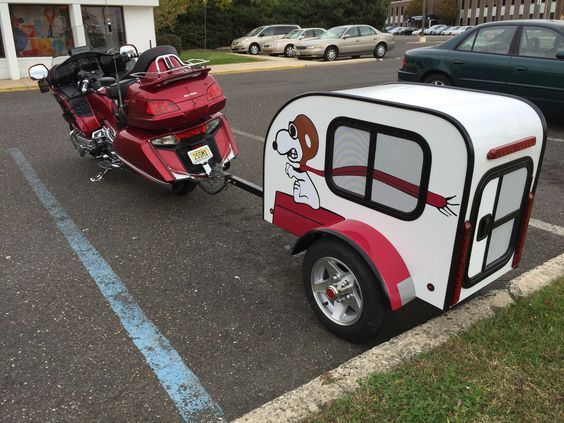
<point x="33" y="33"/>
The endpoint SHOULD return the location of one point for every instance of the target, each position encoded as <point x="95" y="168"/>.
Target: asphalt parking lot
<point x="217" y="281"/>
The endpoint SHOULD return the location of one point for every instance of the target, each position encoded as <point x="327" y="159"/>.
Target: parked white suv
<point x="251" y="42"/>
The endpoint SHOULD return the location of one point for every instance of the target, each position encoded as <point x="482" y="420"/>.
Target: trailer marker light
<point x="513" y="147"/>
<point x="524" y="225"/>
<point x="462" y="260"/>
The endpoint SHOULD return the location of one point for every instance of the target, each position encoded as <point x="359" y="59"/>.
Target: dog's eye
<point x="293" y="130"/>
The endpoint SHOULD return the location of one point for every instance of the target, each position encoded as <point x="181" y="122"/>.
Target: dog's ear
<point x="307" y="135"/>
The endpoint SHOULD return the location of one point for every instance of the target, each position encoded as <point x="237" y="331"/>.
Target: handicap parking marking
<point x="180" y="383"/>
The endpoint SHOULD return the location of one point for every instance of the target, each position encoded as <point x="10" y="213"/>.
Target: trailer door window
<point x="380" y="167"/>
<point x="499" y="204"/>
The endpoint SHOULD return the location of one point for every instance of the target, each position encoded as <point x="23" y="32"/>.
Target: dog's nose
<point x="275" y="145"/>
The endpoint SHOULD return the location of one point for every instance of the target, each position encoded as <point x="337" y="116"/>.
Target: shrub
<point x="171" y="40"/>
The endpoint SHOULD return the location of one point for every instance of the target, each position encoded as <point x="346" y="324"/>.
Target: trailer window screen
<point x="380" y="167"/>
<point x="350" y="159"/>
<point x="398" y="164"/>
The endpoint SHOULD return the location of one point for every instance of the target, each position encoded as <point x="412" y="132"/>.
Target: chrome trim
<point x="142" y="173"/>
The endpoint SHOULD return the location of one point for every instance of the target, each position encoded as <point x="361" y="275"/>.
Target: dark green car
<point x="522" y="57"/>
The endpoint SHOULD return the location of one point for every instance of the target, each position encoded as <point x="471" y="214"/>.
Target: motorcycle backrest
<point x="148" y="56"/>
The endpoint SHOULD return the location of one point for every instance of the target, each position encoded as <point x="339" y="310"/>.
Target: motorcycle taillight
<point x="214" y="91"/>
<point x="160" y="107"/>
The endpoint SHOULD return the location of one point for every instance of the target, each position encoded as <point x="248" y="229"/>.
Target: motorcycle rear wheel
<point x="183" y="187"/>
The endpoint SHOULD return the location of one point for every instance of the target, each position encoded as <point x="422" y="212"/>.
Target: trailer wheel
<point x="343" y="291"/>
<point x="183" y="187"/>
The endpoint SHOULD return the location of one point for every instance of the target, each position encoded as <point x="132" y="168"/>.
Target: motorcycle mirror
<point x="128" y="51"/>
<point x="38" y="72"/>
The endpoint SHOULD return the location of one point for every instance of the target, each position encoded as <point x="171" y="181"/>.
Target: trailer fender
<point x="382" y="257"/>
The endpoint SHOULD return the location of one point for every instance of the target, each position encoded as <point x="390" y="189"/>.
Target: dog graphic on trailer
<point x="393" y="200"/>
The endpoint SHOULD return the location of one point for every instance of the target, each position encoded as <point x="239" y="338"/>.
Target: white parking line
<point x="555" y="139"/>
<point x="246" y="134"/>
<point x="557" y="230"/>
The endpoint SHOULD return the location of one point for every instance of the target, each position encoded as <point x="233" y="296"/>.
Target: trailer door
<point x="497" y="213"/>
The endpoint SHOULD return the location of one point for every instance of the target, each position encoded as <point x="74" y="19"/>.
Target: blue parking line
<point x="181" y="384"/>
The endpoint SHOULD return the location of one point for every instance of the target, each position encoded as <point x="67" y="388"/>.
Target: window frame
<point x="122" y="23"/>
<point x="522" y="34"/>
<point x="374" y="129"/>
<point x="512" y="45"/>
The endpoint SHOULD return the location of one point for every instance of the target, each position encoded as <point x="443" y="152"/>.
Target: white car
<point x="250" y="43"/>
<point x="285" y="45"/>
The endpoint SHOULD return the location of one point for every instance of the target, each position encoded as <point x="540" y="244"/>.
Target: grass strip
<point x="217" y="57"/>
<point x="506" y="368"/>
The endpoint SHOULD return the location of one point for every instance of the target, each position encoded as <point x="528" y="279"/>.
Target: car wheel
<point x="183" y="187"/>
<point x="438" y="79"/>
<point x="289" y="50"/>
<point x="343" y="291"/>
<point x="331" y="54"/>
<point x="380" y="51"/>
<point x="254" y="49"/>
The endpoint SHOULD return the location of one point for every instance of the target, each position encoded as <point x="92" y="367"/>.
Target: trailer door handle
<point x="484" y="227"/>
<point x="521" y="68"/>
<point x="458" y="62"/>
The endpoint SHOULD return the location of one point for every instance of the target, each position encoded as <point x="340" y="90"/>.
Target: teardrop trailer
<point x="392" y="200"/>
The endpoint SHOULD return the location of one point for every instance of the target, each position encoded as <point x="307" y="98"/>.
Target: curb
<point x="20" y="88"/>
<point x="248" y="70"/>
<point x="312" y="397"/>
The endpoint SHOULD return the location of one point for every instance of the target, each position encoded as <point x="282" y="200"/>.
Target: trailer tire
<point x="183" y="187"/>
<point x="358" y="315"/>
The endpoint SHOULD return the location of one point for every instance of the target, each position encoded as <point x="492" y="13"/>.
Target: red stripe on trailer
<point x="513" y="147"/>
<point x="462" y="260"/>
<point x="523" y="231"/>
<point x="300" y="218"/>
<point x="381" y="252"/>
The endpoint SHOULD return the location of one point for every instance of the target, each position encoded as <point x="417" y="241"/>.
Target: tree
<point x="166" y="12"/>
<point x="447" y="11"/>
<point x="414" y="8"/>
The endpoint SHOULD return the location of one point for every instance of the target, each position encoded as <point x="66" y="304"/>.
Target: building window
<point x="551" y="15"/>
<point x="379" y="167"/>
<point x="41" y="30"/>
<point x="103" y="26"/>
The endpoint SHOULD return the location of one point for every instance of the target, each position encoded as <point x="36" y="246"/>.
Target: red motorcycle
<point x="151" y="113"/>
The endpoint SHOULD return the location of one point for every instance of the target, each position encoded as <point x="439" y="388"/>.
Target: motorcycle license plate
<point x="200" y="155"/>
